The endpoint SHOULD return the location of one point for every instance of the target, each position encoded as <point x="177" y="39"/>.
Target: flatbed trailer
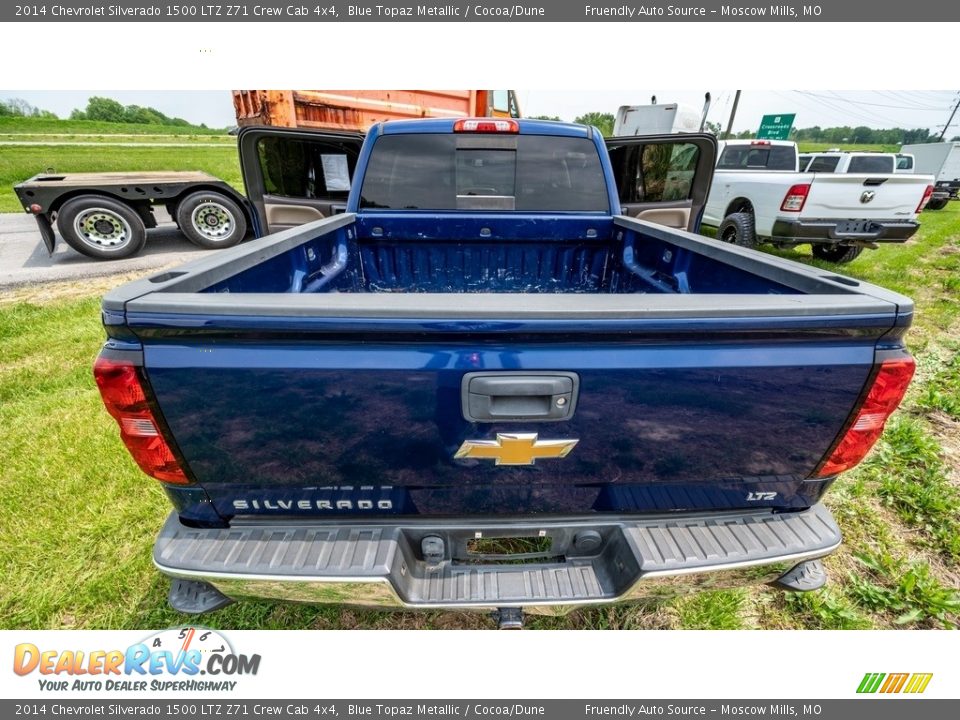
<point x="106" y="215"/>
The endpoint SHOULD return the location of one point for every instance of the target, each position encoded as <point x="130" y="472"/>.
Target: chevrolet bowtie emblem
<point x="515" y="449"/>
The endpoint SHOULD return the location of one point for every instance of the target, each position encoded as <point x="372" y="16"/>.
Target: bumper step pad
<point x="381" y="566"/>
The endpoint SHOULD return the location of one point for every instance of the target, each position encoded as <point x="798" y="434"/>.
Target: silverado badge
<point x="515" y="449"/>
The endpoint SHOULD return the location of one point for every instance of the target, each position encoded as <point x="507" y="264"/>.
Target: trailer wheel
<point x="739" y="229"/>
<point x="937" y="204"/>
<point x="101" y="228"/>
<point x="211" y="220"/>
<point x="837" y="253"/>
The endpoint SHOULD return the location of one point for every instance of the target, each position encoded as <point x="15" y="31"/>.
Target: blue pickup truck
<point x="501" y="372"/>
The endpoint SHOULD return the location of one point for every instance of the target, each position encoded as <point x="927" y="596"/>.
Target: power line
<point x="952" y="114"/>
<point x="864" y="102"/>
<point x="830" y="104"/>
<point x="862" y="116"/>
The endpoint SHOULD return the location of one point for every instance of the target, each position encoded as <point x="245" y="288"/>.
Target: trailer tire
<point x="211" y="220"/>
<point x="101" y="228"/>
<point x="937" y="204"/>
<point x="738" y="228"/>
<point x="837" y="253"/>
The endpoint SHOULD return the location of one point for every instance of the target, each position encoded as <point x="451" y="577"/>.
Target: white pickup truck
<point x="758" y="195"/>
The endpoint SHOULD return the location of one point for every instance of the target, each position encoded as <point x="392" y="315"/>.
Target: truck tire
<point x="211" y="220"/>
<point x="739" y="229"/>
<point x="101" y="228"/>
<point x="937" y="204"/>
<point x="837" y="253"/>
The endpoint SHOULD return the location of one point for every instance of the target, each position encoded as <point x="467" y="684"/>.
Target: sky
<point x="826" y="108"/>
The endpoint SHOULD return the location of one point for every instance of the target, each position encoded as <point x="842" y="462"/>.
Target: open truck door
<point x="294" y="177"/>
<point x="664" y="179"/>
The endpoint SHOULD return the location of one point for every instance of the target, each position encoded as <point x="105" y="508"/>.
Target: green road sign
<point x="775" y="127"/>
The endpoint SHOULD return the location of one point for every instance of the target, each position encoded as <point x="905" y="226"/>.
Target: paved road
<point x="24" y="259"/>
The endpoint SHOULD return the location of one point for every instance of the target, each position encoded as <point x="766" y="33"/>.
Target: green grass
<point x="80" y="518"/>
<point x="17" y="163"/>
<point x="925" y="268"/>
<point x="72" y="127"/>
<point x="73" y="139"/>
<point x="910" y="476"/>
<point x="806" y="147"/>
<point x="943" y="392"/>
<point x="907" y="594"/>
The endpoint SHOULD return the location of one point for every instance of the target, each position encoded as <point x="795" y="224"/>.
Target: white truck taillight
<point x="795" y="198"/>
<point x="486" y="125"/>
<point x="927" y="194"/>
<point x="886" y="391"/>
<point x="124" y="397"/>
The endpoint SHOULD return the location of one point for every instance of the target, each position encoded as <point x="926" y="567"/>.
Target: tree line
<point x="98" y="108"/>
<point x="833" y="135"/>
<point x="15" y="107"/>
<point x="109" y="110"/>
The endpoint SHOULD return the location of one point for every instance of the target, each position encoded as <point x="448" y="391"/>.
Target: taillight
<point x="927" y="194"/>
<point x="123" y="395"/>
<point x="888" y="388"/>
<point x="795" y="198"/>
<point x="760" y="142"/>
<point x="486" y="125"/>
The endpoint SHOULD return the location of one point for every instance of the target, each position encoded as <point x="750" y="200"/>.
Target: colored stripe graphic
<point x="894" y="683"/>
<point x="918" y="682"/>
<point x="870" y="682"/>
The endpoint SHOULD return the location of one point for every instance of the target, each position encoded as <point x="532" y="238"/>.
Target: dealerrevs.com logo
<point x="170" y="660"/>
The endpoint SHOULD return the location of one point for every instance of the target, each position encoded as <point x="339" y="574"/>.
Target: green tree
<point x="109" y="110"/>
<point x="601" y="121"/>
<point x="546" y="117"/>
<point x="17" y="107"/>
<point x="104" y="109"/>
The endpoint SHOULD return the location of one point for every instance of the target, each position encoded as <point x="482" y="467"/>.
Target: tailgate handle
<point x="519" y="396"/>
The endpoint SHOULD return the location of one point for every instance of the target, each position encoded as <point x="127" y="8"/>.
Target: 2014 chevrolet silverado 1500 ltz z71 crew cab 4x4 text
<point x="758" y="195"/>
<point x="507" y="377"/>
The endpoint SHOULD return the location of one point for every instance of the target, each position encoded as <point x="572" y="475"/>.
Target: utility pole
<point x="952" y="114"/>
<point x="733" y="114"/>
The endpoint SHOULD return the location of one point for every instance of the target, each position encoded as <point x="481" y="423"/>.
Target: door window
<point x="310" y="169"/>
<point x="662" y="172"/>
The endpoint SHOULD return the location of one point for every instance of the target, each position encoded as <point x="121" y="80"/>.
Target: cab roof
<point x="445" y="125"/>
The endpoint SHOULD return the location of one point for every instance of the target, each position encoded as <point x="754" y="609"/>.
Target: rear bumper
<point x="381" y="565"/>
<point x="837" y="231"/>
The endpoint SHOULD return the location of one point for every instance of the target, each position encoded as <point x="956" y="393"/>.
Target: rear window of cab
<point x="533" y="173"/>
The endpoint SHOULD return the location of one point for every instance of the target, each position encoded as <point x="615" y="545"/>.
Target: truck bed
<point x="321" y="381"/>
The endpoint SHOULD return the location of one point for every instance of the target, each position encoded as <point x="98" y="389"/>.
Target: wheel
<point x="837" y="253"/>
<point x="211" y="220"/>
<point x="101" y="228"/>
<point x="938" y="204"/>
<point x="738" y="228"/>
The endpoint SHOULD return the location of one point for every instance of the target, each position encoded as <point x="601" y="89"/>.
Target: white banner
<point x="200" y="663"/>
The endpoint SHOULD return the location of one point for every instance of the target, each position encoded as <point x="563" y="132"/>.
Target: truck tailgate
<point x="670" y="415"/>
<point x="864" y="197"/>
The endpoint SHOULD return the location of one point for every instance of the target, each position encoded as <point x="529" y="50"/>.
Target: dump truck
<point x="361" y="109"/>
